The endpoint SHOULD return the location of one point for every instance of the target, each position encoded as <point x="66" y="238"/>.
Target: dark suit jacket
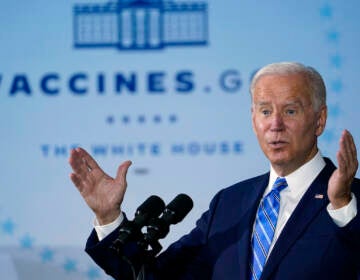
<point x="310" y="247"/>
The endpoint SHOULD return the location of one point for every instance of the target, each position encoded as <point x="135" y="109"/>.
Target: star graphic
<point x="336" y="85"/>
<point x="336" y="60"/>
<point x="333" y="36"/>
<point x="125" y="119"/>
<point x="70" y="265"/>
<point x="334" y="110"/>
<point x="47" y="255"/>
<point x="141" y="119"/>
<point x="110" y="119"/>
<point x="328" y="136"/>
<point x="8" y="227"/>
<point x="26" y="242"/>
<point x="173" y="118"/>
<point x="93" y="273"/>
<point x="326" y="11"/>
<point x="157" y="119"/>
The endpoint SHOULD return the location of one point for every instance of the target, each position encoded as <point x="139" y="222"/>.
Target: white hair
<point x="314" y="80"/>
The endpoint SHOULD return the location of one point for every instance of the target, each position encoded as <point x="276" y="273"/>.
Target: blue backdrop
<point x="164" y="84"/>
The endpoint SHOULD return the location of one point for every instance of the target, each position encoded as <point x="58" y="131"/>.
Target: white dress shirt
<point x="298" y="182"/>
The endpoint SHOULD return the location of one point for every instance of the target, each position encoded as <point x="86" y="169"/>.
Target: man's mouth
<point x="277" y="144"/>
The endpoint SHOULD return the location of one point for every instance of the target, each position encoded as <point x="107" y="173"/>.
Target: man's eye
<point x="290" y="112"/>
<point x="265" y="112"/>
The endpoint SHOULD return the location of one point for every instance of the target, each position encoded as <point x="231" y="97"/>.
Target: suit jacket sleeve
<point x="350" y="233"/>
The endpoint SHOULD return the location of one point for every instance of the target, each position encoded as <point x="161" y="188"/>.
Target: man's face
<point x="285" y="122"/>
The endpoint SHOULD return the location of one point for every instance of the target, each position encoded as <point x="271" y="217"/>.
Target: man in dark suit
<point x="298" y="221"/>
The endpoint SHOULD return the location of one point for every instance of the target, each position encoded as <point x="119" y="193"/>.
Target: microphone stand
<point x="149" y="249"/>
<point x="157" y="228"/>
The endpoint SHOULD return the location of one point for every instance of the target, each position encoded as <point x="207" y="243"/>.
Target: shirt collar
<point x="300" y="180"/>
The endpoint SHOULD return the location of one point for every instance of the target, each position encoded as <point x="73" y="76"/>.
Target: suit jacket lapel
<point x="304" y="213"/>
<point x="245" y="232"/>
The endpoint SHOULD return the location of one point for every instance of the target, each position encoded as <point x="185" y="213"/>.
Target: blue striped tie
<point x="265" y="224"/>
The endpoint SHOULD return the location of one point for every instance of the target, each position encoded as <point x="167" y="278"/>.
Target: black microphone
<point x="158" y="228"/>
<point x="131" y="230"/>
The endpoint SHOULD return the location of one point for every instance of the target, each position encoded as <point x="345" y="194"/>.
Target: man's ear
<point x="321" y="120"/>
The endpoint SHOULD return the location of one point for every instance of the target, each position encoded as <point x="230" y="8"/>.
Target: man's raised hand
<point x="339" y="188"/>
<point x="102" y="193"/>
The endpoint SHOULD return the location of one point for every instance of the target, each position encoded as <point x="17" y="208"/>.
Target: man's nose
<point x="277" y="122"/>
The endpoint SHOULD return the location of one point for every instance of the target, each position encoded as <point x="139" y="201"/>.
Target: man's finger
<point x="77" y="163"/>
<point x="122" y="171"/>
<point x="346" y="142"/>
<point x="89" y="160"/>
<point x="341" y="161"/>
<point x="77" y="181"/>
<point x="347" y="157"/>
<point x="351" y="154"/>
<point x="352" y="147"/>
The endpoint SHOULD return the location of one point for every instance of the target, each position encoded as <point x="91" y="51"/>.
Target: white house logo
<point x="140" y="24"/>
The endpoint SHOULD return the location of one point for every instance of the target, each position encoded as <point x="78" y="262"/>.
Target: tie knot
<point x="280" y="184"/>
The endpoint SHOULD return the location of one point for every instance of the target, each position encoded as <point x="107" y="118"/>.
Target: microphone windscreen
<point x="152" y="206"/>
<point x="180" y="206"/>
